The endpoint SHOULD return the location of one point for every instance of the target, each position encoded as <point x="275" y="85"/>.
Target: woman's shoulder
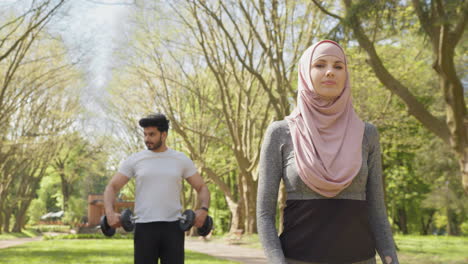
<point x="371" y="132"/>
<point x="277" y="133"/>
<point x="278" y="127"/>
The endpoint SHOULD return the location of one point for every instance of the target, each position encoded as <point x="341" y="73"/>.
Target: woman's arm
<point x="270" y="172"/>
<point x="375" y="198"/>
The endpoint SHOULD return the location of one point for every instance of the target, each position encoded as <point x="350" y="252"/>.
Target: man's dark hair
<point x="155" y="120"/>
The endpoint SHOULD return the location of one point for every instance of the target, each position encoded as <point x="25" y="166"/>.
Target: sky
<point x="92" y="31"/>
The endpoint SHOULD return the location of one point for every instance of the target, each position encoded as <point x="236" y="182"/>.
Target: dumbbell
<point x="127" y="220"/>
<point x="188" y="219"/>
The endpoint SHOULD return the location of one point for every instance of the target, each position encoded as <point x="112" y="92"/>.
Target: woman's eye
<point x="339" y="67"/>
<point x="319" y="65"/>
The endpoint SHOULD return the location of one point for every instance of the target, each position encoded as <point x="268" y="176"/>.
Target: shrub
<point x="36" y="210"/>
<point x="75" y="212"/>
<point x="464" y="228"/>
<point x="90" y="236"/>
<point x="51" y="228"/>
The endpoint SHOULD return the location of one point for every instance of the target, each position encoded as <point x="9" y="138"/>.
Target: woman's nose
<point x="330" y="73"/>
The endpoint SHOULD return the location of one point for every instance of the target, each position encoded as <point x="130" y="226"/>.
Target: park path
<point x="17" y="241"/>
<point x="223" y="250"/>
<point x="218" y="249"/>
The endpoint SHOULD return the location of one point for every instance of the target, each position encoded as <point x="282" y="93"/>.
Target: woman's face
<point x="328" y="75"/>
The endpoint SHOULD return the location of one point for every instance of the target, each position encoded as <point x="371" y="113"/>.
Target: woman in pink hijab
<point x="329" y="160"/>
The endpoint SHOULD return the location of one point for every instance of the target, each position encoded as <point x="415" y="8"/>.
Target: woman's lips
<point x="328" y="82"/>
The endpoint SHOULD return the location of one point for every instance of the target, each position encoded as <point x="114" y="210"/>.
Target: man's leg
<point x="145" y="243"/>
<point x="172" y="250"/>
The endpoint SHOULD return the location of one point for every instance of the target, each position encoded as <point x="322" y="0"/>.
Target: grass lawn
<point x="25" y="233"/>
<point x="432" y="249"/>
<point x="84" y="251"/>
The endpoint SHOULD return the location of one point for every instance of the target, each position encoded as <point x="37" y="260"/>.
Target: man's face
<point x="153" y="138"/>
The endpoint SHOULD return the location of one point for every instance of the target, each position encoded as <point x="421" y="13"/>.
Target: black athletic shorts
<point x="158" y="241"/>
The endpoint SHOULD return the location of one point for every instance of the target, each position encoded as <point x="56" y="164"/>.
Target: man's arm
<point x="112" y="188"/>
<point x="203" y="196"/>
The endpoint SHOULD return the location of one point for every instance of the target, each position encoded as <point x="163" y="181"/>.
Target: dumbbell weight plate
<point x="188" y="218"/>
<point x="106" y="228"/>
<point x="206" y="228"/>
<point x="126" y="220"/>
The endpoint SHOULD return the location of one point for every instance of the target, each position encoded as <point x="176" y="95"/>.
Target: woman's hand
<point x="388" y="260"/>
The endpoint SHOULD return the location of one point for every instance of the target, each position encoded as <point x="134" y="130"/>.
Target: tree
<point x="443" y="24"/>
<point x="403" y="139"/>
<point x="17" y="37"/>
<point x="37" y="102"/>
<point x="75" y="159"/>
<point x="253" y="43"/>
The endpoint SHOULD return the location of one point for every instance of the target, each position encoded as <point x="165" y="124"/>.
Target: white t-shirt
<point x="158" y="178"/>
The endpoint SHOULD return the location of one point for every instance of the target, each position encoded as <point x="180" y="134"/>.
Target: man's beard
<point x="156" y="145"/>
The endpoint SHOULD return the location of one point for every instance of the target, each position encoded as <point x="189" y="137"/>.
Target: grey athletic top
<point x="277" y="162"/>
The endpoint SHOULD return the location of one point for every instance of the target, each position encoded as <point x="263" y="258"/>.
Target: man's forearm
<point x="109" y="198"/>
<point x="204" y="197"/>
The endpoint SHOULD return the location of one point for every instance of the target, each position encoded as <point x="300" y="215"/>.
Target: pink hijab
<point x="327" y="136"/>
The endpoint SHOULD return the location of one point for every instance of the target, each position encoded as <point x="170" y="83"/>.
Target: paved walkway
<point x="218" y="249"/>
<point x="17" y="241"/>
<point x="223" y="250"/>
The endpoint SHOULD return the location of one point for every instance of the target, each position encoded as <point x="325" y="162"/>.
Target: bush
<point x="75" y="212"/>
<point x="89" y="236"/>
<point x="36" y="210"/>
<point x="51" y="228"/>
<point x="464" y="228"/>
<point x="440" y="220"/>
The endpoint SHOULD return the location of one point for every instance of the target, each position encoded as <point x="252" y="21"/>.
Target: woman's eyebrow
<point x="322" y="60"/>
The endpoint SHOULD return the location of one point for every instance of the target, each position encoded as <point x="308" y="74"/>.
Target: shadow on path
<point x="225" y="251"/>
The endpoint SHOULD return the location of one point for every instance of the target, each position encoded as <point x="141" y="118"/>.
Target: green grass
<point x="51" y="228"/>
<point x="87" y="236"/>
<point x="412" y="249"/>
<point x="432" y="249"/>
<point x="25" y="233"/>
<point x="84" y="251"/>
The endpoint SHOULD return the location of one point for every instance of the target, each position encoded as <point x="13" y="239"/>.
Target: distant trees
<point x="223" y="70"/>
<point x="221" y="82"/>
<point x="38" y="101"/>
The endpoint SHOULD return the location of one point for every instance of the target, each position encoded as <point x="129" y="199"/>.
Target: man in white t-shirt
<point x="158" y="172"/>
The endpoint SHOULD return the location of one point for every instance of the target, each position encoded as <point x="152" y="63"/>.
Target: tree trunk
<point x="426" y="225"/>
<point x="238" y="212"/>
<point x="235" y="207"/>
<point x="20" y="217"/>
<point x="449" y="222"/>
<point x="2" y="217"/>
<point x="1" y="220"/>
<point x="65" y="191"/>
<point x="6" y="219"/>
<point x="237" y="219"/>
<point x="452" y="223"/>
<point x="402" y="223"/>
<point x="463" y="162"/>
<point x="250" y="202"/>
